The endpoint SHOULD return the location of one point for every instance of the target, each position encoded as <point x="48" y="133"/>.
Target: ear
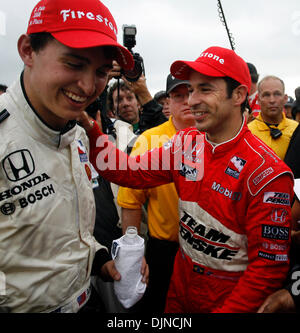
<point x="286" y="97"/>
<point x="25" y="50"/>
<point x="239" y="95"/>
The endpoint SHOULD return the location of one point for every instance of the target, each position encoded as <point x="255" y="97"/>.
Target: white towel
<point x="128" y="260"/>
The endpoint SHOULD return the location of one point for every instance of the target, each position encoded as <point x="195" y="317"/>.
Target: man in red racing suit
<point x="234" y="202"/>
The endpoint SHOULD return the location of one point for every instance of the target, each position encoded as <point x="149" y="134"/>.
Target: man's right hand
<point x="279" y="302"/>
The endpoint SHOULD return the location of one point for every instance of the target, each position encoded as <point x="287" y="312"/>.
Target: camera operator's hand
<point x="115" y="72"/>
<point x="140" y="88"/>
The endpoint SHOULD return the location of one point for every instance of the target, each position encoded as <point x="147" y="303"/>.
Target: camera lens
<point x="135" y="73"/>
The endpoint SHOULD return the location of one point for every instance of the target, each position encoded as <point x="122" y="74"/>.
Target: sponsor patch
<point x="198" y="269"/>
<point x="262" y="176"/>
<point x="273" y="257"/>
<point x="277" y="198"/>
<point x="18" y="165"/>
<point x="279" y="215"/>
<point x="274" y="246"/>
<point x="188" y="172"/>
<point x="235" y="196"/>
<point x="209" y="241"/>
<point x="235" y="167"/>
<point x="8" y="208"/>
<point x="82" y="152"/>
<point x="88" y="171"/>
<point x="275" y="232"/>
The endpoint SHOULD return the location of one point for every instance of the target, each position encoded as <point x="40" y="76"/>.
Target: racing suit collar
<point x="34" y="125"/>
<point x="227" y="145"/>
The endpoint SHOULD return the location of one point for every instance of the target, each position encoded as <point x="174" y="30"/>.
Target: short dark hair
<point x="253" y="72"/>
<point x="40" y="39"/>
<point x="232" y="84"/>
<point x="3" y="87"/>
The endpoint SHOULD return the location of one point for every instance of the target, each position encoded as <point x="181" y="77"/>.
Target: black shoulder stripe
<point x="3" y="115"/>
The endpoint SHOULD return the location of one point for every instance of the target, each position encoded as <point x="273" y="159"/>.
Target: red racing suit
<point x="235" y="215"/>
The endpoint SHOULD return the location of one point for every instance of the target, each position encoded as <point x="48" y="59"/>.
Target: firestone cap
<point x="217" y="62"/>
<point x="79" y="24"/>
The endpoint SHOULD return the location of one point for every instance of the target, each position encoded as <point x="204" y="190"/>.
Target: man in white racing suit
<point x="47" y="209"/>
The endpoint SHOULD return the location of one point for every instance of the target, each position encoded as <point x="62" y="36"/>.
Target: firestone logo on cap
<point x="213" y="57"/>
<point x="69" y="14"/>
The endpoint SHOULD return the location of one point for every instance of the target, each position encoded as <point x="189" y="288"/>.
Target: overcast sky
<point x="266" y="33"/>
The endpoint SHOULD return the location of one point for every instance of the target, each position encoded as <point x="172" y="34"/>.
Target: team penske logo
<point x="277" y="198"/>
<point x="205" y="239"/>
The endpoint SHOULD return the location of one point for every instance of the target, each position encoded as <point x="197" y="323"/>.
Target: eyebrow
<point x="73" y="55"/>
<point x="201" y="85"/>
<point x="86" y="60"/>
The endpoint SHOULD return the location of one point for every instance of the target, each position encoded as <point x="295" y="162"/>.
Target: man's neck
<point x="225" y="132"/>
<point x="272" y="120"/>
<point x="180" y="125"/>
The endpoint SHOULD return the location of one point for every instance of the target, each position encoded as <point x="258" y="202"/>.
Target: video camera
<point x="129" y="41"/>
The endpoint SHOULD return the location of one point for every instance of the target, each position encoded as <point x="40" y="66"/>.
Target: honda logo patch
<point x="18" y="165"/>
<point x="279" y="215"/>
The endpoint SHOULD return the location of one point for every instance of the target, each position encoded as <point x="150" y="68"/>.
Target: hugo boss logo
<point x="18" y="165"/>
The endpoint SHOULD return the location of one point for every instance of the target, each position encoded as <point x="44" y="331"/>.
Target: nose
<point x="88" y="83"/>
<point x="193" y="99"/>
<point x="124" y="102"/>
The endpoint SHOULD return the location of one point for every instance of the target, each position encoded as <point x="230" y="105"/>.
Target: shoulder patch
<point x="269" y="167"/>
<point x="3" y="115"/>
<point x="263" y="175"/>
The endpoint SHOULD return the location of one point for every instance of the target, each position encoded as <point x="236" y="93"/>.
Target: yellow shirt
<point x="163" y="218"/>
<point x="262" y="131"/>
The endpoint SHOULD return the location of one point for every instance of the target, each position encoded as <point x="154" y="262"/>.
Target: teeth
<point x="75" y="98"/>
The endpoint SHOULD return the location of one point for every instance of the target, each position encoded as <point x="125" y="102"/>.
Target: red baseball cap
<point x="217" y="62"/>
<point x="79" y="24"/>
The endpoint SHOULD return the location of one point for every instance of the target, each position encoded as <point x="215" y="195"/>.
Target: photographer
<point x="130" y="99"/>
<point x="133" y="103"/>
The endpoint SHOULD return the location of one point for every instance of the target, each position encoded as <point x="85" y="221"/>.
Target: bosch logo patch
<point x="18" y="165"/>
<point x="8" y="208"/>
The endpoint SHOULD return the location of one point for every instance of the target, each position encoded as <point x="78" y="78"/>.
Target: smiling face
<point x="61" y="82"/>
<point x="215" y="113"/>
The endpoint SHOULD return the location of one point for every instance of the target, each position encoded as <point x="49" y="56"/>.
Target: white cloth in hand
<point x="128" y="261"/>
